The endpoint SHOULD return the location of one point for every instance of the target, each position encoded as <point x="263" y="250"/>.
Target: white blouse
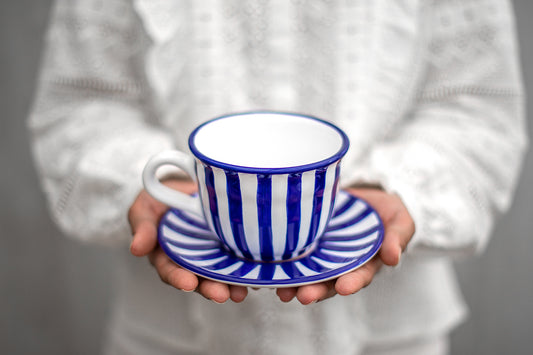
<point x="429" y="93"/>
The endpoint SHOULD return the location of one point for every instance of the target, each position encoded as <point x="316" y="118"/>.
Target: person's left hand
<point x="399" y="228"/>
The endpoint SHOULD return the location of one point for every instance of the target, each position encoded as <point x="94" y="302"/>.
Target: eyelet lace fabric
<point x="428" y="92"/>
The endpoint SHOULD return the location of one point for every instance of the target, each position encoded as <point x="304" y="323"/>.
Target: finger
<point x="286" y="294"/>
<point x="143" y="217"/>
<point x="391" y="249"/>
<point x="238" y="293"/>
<point x="358" y="279"/>
<point x="144" y="238"/>
<point x="312" y="293"/>
<point x="145" y="208"/>
<point x="398" y="233"/>
<point x="171" y="273"/>
<point x="214" y="291"/>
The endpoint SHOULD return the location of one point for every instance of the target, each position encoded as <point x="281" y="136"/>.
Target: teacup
<point x="267" y="181"/>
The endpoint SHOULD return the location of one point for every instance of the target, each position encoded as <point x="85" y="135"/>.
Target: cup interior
<point x="268" y="140"/>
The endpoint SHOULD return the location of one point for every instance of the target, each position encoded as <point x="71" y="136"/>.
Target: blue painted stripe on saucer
<point x="190" y="220"/>
<point x="267" y="271"/>
<point x="294" y="190"/>
<point x="200" y="233"/>
<point x="338" y="258"/>
<point x="189" y="246"/>
<point x="243" y="270"/>
<point x="291" y="270"/>
<point x="363" y="234"/>
<point x="233" y="187"/>
<point x="222" y="264"/>
<point x="342" y="208"/>
<point x="346" y="246"/>
<point x="211" y="256"/>
<point x="313" y="265"/>
<point x="352" y="221"/>
<point x="264" y="212"/>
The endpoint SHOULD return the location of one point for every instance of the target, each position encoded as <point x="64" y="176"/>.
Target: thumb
<point x="143" y="217"/>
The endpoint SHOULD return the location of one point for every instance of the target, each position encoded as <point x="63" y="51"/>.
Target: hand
<point x="144" y="216"/>
<point x="399" y="228"/>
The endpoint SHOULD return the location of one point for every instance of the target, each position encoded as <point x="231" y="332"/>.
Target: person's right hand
<point x="144" y="216"/>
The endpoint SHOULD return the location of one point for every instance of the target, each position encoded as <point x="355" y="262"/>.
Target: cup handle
<point x="165" y="194"/>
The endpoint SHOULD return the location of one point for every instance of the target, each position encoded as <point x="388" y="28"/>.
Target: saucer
<point x="352" y="237"/>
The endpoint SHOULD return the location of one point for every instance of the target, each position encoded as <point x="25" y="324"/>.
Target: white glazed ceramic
<point x="267" y="181"/>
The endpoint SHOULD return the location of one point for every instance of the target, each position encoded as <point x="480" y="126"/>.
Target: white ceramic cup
<point x="267" y="181"/>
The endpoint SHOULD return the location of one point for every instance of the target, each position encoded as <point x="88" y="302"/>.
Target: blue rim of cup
<point x="282" y="170"/>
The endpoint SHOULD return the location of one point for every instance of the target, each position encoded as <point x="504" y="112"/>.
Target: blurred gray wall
<point x="54" y="293"/>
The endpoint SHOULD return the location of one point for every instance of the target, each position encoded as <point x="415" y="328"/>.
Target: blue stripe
<point x="291" y="270"/>
<point x="244" y="269"/>
<point x="189" y="246"/>
<point x="344" y="238"/>
<point x="191" y="221"/>
<point x="364" y="214"/>
<point x="339" y="259"/>
<point x="335" y="186"/>
<point x="337" y="247"/>
<point x="344" y="207"/>
<point x="267" y="271"/>
<point x="221" y="264"/>
<point x="215" y="254"/>
<point x="320" y="182"/>
<point x="213" y="204"/>
<point x="311" y="264"/>
<point x="204" y="235"/>
<point x="264" y="212"/>
<point x="294" y="191"/>
<point x="233" y="187"/>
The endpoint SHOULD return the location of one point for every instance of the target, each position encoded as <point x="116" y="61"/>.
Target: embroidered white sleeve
<point x="90" y="123"/>
<point x="456" y="161"/>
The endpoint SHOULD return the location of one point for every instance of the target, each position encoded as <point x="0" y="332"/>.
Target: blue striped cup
<point x="267" y="181"/>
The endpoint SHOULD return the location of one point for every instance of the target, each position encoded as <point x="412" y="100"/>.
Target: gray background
<point x="54" y="293"/>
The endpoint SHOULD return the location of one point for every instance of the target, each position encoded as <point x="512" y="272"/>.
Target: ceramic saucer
<point x="353" y="236"/>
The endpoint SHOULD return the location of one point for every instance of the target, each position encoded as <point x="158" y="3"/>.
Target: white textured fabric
<point x="428" y="92"/>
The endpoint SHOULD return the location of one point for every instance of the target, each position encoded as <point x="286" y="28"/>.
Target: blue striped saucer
<point x="353" y="236"/>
